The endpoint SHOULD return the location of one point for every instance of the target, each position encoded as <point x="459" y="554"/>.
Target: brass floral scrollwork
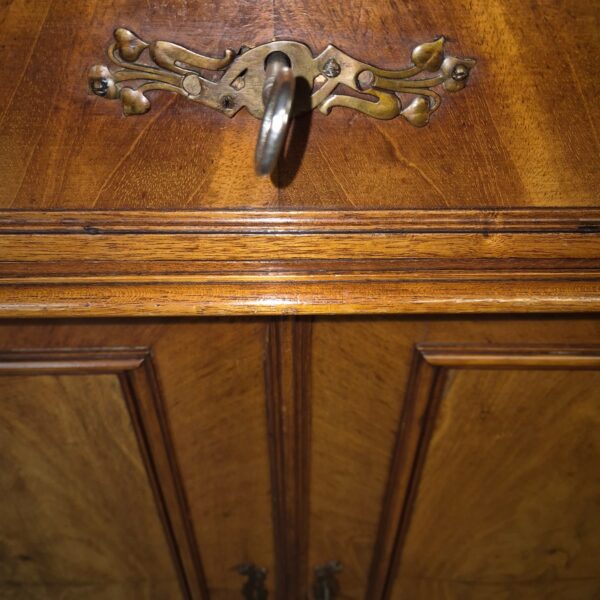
<point x="236" y="79"/>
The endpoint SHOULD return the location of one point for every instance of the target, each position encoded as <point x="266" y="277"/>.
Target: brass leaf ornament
<point x="129" y="45"/>
<point x="417" y="112"/>
<point x="429" y="56"/>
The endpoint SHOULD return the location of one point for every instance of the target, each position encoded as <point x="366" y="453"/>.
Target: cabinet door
<point x="457" y="458"/>
<point x="133" y="459"/>
<point x="434" y="458"/>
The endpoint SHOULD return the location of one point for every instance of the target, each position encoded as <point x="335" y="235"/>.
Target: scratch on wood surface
<point x="333" y="174"/>
<point x="26" y="65"/>
<point x="408" y="163"/>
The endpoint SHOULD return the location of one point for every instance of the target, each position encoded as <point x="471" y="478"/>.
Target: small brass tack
<point x="460" y="73"/>
<point x="331" y="68"/>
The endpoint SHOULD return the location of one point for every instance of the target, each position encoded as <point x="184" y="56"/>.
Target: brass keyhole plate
<point x="236" y="79"/>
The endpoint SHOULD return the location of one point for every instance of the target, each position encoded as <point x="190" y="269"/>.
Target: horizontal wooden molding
<point x="56" y="362"/>
<point x="302" y="221"/>
<point x="511" y="357"/>
<point x="145" y="263"/>
<point x="285" y="246"/>
<point x="164" y="299"/>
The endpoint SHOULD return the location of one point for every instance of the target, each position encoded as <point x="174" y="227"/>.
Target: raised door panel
<point x="456" y="457"/>
<point x="508" y="140"/>
<point x="195" y="391"/>
<point x="77" y="517"/>
<point x="509" y="495"/>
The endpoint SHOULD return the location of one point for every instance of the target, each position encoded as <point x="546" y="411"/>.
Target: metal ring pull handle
<point x="278" y="96"/>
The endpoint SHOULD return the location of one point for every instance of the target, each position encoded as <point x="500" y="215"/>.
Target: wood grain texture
<point x="133" y="367"/>
<point x="523" y="133"/>
<point x="358" y="372"/>
<point x="507" y="140"/>
<point x="476" y="220"/>
<point x="286" y="444"/>
<point x="521" y="295"/>
<point x="298" y="262"/>
<point x="534" y="532"/>
<point x="426" y="391"/>
<point x="374" y="409"/>
<point x="421" y="402"/>
<point x="212" y="377"/>
<point x="147" y="411"/>
<point x="342" y="448"/>
<point x="262" y="247"/>
<point x="77" y="516"/>
<point x="59" y="142"/>
<point x="206" y="375"/>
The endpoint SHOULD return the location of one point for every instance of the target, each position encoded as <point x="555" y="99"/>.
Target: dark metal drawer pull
<point x="254" y="587"/>
<point x="326" y="585"/>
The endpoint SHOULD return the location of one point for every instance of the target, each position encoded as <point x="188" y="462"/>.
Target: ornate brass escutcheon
<point x="238" y="78"/>
<point x="182" y="71"/>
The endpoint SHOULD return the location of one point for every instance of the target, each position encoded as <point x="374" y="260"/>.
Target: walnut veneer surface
<point x="524" y="133"/>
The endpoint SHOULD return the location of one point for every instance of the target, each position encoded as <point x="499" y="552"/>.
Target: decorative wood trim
<point x="62" y="362"/>
<point x="146" y="406"/>
<point x="71" y="263"/>
<point x="413" y="432"/>
<point x="133" y="366"/>
<point x="424" y="393"/>
<point x="287" y="377"/>
<point x="511" y="357"/>
<point x="585" y="219"/>
<point x="244" y="272"/>
<point x="129" y="247"/>
<point x="313" y="297"/>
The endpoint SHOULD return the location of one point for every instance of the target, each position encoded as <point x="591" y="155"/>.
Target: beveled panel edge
<point x="133" y="366"/>
<point x="71" y="361"/>
<point x="585" y="219"/>
<point x="415" y="425"/>
<point x="467" y="356"/>
<point x="431" y="364"/>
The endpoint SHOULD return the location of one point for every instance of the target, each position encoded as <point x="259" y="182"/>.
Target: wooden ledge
<point x="168" y="299"/>
<point x="268" y="262"/>
<point x="302" y="221"/>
